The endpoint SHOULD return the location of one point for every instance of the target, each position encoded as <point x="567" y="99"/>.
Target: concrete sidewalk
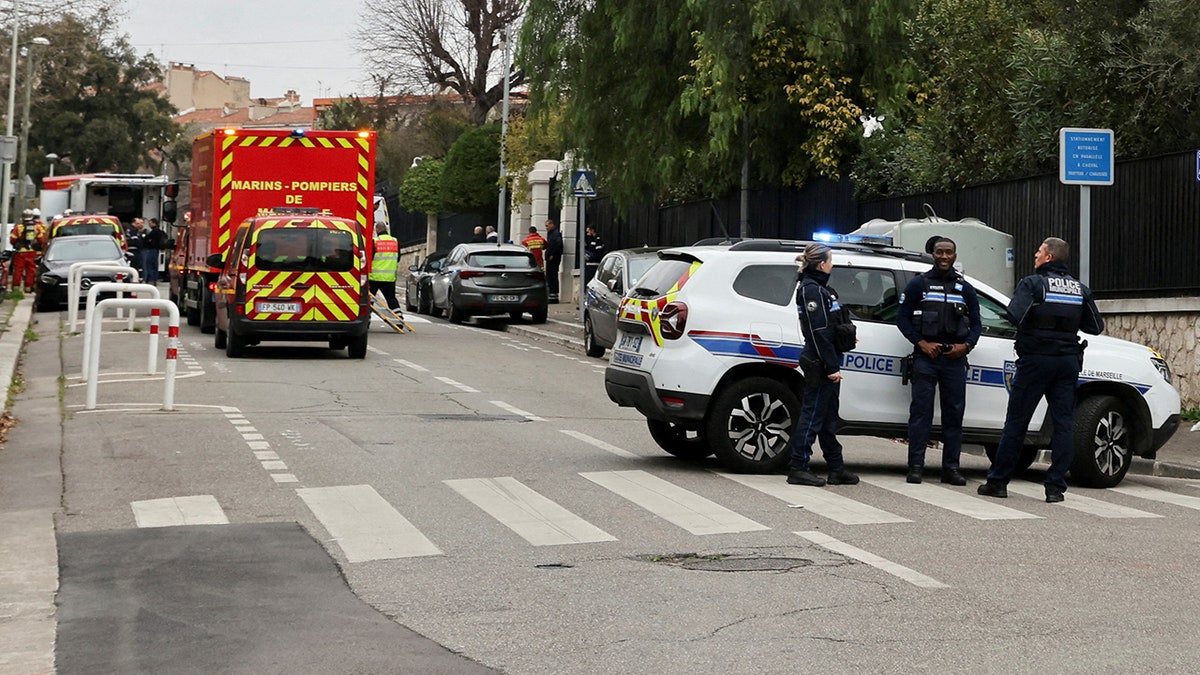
<point x="1179" y="458"/>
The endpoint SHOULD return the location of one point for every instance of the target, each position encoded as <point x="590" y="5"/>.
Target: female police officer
<point x="820" y="362"/>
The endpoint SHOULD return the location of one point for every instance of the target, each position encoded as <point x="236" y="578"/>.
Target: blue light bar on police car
<point x="867" y="239"/>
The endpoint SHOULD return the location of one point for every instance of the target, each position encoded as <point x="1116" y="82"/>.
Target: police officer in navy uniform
<point x="939" y="314"/>
<point x="1049" y="309"/>
<point x="820" y="362"/>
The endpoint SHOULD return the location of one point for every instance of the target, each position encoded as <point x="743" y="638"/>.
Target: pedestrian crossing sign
<point x="583" y="184"/>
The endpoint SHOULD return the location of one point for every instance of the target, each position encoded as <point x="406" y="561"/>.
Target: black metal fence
<point x="1145" y="228"/>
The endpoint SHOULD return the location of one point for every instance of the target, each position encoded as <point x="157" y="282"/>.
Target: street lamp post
<point x="24" y="153"/>
<point x="501" y="221"/>
<point x="12" y="99"/>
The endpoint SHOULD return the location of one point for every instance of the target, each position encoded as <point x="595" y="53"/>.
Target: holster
<point x="906" y="370"/>
<point x="812" y="370"/>
<point x="1083" y="345"/>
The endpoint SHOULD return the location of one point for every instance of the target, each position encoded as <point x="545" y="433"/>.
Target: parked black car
<point x="489" y="279"/>
<point x="416" y="286"/>
<point x="618" y="272"/>
<point x="56" y="261"/>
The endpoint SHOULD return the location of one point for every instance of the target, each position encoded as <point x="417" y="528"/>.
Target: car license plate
<point x="505" y="298"/>
<point x="630" y="343"/>
<point x="628" y="351"/>
<point x="278" y="307"/>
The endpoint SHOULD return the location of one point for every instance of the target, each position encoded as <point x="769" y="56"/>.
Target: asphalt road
<point x="475" y="486"/>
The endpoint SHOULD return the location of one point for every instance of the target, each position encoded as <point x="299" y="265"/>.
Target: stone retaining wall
<point x="1170" y="325"/>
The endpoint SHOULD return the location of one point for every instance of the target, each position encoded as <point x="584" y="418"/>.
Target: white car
<point x="708" y="344"/>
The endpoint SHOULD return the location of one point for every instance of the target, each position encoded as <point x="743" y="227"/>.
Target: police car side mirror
<point x="215" y="260"/>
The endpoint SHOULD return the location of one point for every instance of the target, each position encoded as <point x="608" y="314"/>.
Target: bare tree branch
<point x="440" y="45"/>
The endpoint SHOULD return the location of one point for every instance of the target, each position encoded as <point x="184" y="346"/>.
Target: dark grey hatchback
<point x="488" y="279"/>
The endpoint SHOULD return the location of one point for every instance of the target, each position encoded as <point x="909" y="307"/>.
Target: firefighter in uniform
<point x="939" y="314"/>
<point x="382" y="278"/>
<point x="536" y="244"/>
<point x="28" y="239"/>
<point x="1049" y="309"/>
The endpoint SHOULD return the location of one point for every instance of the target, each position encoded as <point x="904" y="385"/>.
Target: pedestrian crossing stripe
<point x="957" y="501"/>
<point x="672" y="503"/>
<point x="535" y="518"/>
<point x="824" y="503"/>
<point x="366" y="527"/>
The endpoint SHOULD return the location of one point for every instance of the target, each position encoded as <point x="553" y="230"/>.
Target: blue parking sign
<point x="1085" y="156"/>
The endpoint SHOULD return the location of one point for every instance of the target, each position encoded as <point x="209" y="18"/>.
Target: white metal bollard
<point x="74" y="279"/>
<point x="94" y="334"/>
<point x="90" y="306"/>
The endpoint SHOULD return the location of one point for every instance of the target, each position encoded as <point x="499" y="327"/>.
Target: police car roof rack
<point x="798" y="246"/>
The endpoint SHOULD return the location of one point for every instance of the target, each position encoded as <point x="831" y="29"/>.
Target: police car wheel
<point x="1103" y="442"/>
<point x="589" y="339"/>
<point x="1025" y="458"/>
<point x="678" y="441"/>
<point x="750" y="425"/>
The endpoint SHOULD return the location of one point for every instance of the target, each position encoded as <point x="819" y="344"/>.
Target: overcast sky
<point x="277" y="45"/>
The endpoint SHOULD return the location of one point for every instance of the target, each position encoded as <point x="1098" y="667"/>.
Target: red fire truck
<point x="239" y="173"/>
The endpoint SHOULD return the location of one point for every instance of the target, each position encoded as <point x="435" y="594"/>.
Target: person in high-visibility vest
<point x="536" y="245"/>
<point x="382" y="278"/>
<point x="28" y="239"/>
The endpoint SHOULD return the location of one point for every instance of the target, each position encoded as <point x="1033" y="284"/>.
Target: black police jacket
<point x="940" y="308"/>
<point x="1049" y="309"/>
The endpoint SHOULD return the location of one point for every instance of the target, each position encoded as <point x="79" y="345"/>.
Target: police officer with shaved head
<point x="1049" y="309"/>
<point x="939" y="314"/>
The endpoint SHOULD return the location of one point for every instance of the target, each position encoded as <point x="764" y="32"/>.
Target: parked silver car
<point x="618" y="272"/>
<point x="416" y="286"/>
<point x="488" y="279"/>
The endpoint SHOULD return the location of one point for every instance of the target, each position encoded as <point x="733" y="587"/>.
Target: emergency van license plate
<point x="278" y="307"/>
<point x="505" y="298"/>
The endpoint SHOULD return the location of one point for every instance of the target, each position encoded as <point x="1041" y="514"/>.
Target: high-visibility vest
<point x="387" y="257"/>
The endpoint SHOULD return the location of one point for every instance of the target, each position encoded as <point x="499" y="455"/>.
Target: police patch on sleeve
<point x="812" y="306"/>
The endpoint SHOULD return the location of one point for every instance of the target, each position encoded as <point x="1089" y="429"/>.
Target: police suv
<point x="708" y="344"/>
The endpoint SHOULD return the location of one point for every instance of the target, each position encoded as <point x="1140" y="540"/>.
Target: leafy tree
<point x="472" y="170"/>
<point x="94" y="100"/>
<point x="421" y="190"/>
<point x="443" y="45"/>
<point x="666" y="100"/>
<point x="527" y="143"/>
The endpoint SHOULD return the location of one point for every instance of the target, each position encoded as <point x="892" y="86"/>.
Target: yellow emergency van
<point x="293" y="274"/>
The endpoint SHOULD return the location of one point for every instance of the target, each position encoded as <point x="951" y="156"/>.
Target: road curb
<point x="551" y="336"/>
<point x="1151" y="467"/>
<point x="13" y="339"/>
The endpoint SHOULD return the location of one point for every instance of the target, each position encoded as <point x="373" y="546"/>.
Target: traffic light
<point x="171" y="190"/>
<point x="169" y="211"/>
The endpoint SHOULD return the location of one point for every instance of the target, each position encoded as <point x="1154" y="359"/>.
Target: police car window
<point x="869" y="294"/>
<point x="503" y="260"/>
<point x="994" y="318"/>
<point x="775" y="284"/>
<point x="638" y="265"/>
<point x="661" y="278"/>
